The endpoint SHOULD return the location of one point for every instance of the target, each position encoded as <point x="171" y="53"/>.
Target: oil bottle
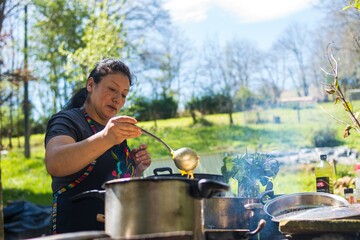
<point x="325" y="175"/>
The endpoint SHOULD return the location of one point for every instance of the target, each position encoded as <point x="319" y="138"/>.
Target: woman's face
<point x="107" y="97"/>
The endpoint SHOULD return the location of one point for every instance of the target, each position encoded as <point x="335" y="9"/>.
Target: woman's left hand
<point x="142" y="159"/>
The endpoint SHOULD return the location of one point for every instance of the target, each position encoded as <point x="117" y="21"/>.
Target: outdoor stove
<point x="224" y="218"/>
<point x="337" y="229"/>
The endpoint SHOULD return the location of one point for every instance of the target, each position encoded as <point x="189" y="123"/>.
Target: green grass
<point x="27" y="179"/>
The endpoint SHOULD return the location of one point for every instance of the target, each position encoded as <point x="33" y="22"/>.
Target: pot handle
<point x="252" y="206"/>
<point x="260" y="226"/>
<point x="162" y="169"/>
<point x="263" y="195"/>
<point x="207" y="188"/>
<point x="89" y="194"/>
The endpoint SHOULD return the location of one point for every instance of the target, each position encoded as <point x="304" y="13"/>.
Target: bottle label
<point x="351" y="199"/>
<point x="322" y="184"/>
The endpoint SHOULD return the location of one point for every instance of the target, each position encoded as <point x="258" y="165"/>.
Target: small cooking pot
<point x="158" y="172"/>
<point x="153" y="206"/>
<point x="230" y="212"/>
<point x="233" y="234"/>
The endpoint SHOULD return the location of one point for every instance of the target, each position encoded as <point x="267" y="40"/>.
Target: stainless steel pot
<point x="233" y="234"/>
<point x="231" y="212"/>
<point x="231" y="217"/>
<point x="88" y="235"/>
<point x="170" y="206"/>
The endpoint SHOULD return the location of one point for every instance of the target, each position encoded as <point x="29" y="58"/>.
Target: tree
<point x="272" y="74"/>
<point x="229" y="69"/>
<point x="341" y="28"/>
<point x="294" y="43"/>
<point x="333" y="86"/>
<point x="164" y="66"/>
<point x="6" y="9"/>
<point x="104" y="36"/>
<point x="353" y="4"/>
<point x="62" y="21"/>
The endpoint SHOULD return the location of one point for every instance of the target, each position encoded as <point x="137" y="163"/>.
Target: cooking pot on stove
<point x="82" y="235"/>
<point x="168" y="207"/>
<point x="232" y="213"/>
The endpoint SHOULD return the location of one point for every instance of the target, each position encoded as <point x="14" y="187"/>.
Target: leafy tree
<point x="140" y="108"/>
<point x="104" y="36"/>
<point x="164" y="107"/>
<point x="62" y="21"/>
<point x="353" y="4"/>
<point x="7" y="9"/>
<point x="208" y="104"/>
<point x="145" y="109"/>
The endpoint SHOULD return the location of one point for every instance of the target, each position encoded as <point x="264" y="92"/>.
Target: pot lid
<point x="149" y="179"/>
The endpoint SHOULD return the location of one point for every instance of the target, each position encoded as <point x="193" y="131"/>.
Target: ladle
<point x="185" y="158"/>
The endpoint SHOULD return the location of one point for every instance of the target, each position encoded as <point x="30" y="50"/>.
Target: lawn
<point x="26" y="179"/>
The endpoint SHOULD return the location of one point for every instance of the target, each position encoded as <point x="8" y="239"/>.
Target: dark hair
<point x="102" y="68"/>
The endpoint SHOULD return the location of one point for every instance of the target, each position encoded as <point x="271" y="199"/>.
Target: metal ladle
<point x="185" y="159"/>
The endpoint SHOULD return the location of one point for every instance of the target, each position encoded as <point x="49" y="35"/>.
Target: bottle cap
<point x="357" y="166"/>
<point x="348" y="190"/>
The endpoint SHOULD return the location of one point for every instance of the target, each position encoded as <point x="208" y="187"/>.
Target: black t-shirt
<point x="73" y="123"/>
<point x="114" y="163"/>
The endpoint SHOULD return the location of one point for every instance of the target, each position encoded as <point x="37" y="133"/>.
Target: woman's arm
<point x="64" y="156"/>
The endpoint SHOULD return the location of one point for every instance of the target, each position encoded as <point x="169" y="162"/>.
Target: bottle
<point x="349" y="195"/>
<point x="357" y="182"/>
<point x="325" y="176"/>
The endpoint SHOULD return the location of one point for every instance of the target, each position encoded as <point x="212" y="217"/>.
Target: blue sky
<point x="260" y="21"/>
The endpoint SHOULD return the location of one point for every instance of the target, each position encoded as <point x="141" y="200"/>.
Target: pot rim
<point x="152" y="179"/>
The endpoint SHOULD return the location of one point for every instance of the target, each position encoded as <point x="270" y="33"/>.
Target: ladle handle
<point x="152" y="135"/>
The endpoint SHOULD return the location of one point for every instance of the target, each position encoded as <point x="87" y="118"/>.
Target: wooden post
<point x="26" y="93"/>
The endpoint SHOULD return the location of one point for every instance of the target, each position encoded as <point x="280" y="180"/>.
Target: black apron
<point x="73" y="216"/>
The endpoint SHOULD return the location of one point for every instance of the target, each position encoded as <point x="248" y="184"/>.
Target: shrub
<point x="325" y="138"/>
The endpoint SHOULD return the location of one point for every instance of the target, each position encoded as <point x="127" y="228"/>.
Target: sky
<point x="260" y="21"/>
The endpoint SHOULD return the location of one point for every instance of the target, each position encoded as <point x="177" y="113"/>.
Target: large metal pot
<point x="83" y="235"/>
<point x="169" y="207"/>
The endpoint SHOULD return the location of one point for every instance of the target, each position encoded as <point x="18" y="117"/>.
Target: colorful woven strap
<point x="74" y="183"/>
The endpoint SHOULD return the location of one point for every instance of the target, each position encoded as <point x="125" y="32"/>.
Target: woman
<point x="86" y="146"/>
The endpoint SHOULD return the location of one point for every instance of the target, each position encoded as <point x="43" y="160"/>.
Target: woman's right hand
<point x="62" y="150"/>
<point x="120" y="128"/>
